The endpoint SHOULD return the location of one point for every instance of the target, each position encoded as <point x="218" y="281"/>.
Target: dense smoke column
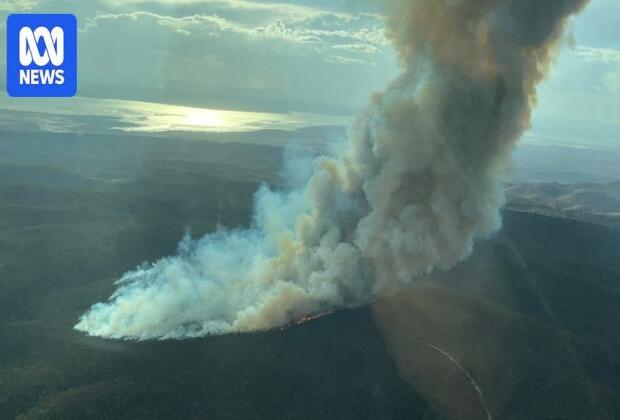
<point x="416" y="186"/>
<point x="431" y="148"/>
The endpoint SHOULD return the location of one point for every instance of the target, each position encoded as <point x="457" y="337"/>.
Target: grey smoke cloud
<point x="416" y="185"/>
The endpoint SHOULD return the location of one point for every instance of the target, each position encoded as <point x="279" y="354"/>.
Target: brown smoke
<point x="480" y="62"/>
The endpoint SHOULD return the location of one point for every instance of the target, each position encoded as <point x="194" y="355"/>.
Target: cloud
<point x="368" y="48"/>
<point x="12" y="6"/>
<point x="243" y="5"/>
<point x="598" y="55"/>
<point x="345" y="60"/>
<point x="296" y="56"/>
<point x="208" y="22"/>
<point x="361" y="33"/>
<point x="597" y="69"/>
<point x="330" y="37"/>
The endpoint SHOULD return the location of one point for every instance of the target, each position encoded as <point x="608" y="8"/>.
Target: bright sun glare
<point x="204" y="118"/>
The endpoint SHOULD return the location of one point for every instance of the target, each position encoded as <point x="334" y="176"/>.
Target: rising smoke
<point x="417" y="184"/>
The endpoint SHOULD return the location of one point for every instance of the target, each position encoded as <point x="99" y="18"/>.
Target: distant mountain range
<point x="590" y="202"/>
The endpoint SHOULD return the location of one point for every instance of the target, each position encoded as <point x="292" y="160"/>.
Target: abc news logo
<point x="41" y="55"/>
<point x="54" y="53"/>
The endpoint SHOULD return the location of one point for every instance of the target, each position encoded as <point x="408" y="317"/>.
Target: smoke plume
<point x="417" y="184"/>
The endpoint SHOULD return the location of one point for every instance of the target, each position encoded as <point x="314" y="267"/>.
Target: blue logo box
<point x="41" y="55"/>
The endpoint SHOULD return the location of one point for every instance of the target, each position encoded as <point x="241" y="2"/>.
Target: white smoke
<point x="417" y="184"/>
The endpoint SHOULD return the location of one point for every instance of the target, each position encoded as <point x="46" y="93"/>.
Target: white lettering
<point x="41" y="76"/>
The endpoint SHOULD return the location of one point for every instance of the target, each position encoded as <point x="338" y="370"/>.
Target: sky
<point x="306" y="56"/>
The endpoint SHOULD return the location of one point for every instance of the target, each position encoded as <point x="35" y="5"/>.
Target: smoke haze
<point x="417" y="184"/>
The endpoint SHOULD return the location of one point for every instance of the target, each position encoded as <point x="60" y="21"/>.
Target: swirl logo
<point x="54" y="41"/>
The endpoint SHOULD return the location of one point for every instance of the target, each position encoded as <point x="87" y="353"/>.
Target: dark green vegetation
<point x="78" y="211"/>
